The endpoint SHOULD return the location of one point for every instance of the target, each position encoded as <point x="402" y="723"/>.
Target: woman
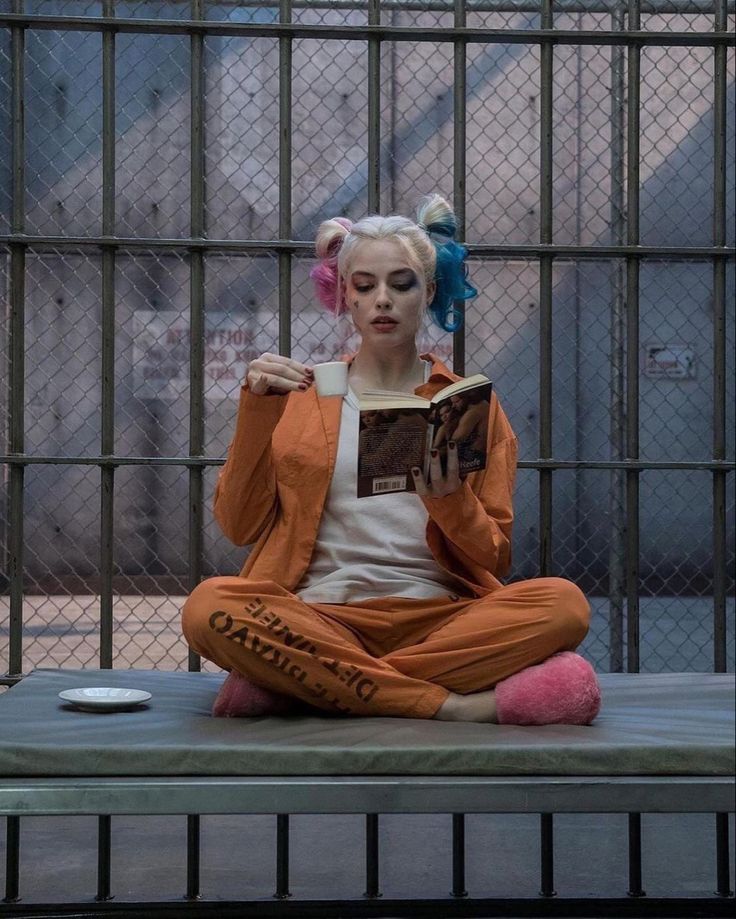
<point x="388" y="605"/>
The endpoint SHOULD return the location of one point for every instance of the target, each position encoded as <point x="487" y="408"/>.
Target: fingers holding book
<point x="440" y="484"/>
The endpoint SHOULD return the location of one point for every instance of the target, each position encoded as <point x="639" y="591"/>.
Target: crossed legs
<point x="422" y="659"/>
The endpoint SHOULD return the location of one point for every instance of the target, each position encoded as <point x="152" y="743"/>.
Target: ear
<point x="431" y="291"/>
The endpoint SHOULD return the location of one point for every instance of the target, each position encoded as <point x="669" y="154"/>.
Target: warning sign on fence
<point x="671" y="362"/>
<point x="161" y="354"/>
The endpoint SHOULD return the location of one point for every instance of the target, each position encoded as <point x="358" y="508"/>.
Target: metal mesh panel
<point x="241" y="155"/>
<point x="503" y="143"/>
<point x="154" y="291"/>
<point x="5" y="116"/>
<point x="62" y="354"/>
<point x="63" y="133"/>
<point x="582" y="158"/>
<point x="153" y="136"/>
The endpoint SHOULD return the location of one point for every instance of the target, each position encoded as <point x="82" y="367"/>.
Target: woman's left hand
<point x="441" y="484"/>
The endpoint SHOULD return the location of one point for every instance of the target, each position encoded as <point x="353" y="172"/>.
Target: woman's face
<point x="386" y="295"/>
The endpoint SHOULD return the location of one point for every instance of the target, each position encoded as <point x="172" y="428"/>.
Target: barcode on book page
<point x="389" y="483"/>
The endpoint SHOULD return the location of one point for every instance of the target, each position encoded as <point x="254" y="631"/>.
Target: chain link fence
<point x="679" y="294"/>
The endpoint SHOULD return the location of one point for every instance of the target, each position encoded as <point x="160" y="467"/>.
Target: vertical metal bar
<point x="579" y="510"/>
<point x="374" y="109"/>
<point x="196" y="372"/>
<point x="284" y="258"/>
<point x="16" y="401"/>
<point x="459" y="164"/>
<point x="193" y="857"/>
<point x="16" y="356"/>
<point x="393" y="110"/>
<point x="282" y="857"/>
<point x="196" y="292"/>
<point x="16" y="443"/>
<point x="107" y="444"/>
<point x="719" y="345"/>
<point x="723" y="872"/>
<point x="545" y="295"/>
<point x="12" y="860"/>
<point x="635" y="873"/>
<point x="632" y="345"/>
<point x="617" y="552"/>
<point x="632" y="406"/>
<point x="458" y="856"/>
<point x="371" y="856"/>
<point x="723" y="862"/>
<point x="548" y="856"/>
<point x="104" y="852"/>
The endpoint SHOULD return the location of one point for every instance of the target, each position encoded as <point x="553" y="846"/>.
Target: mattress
<point x="650" y="724"/>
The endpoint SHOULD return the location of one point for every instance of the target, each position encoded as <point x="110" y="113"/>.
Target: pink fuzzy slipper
<point x="561" y="690"/>
<point x="239" y="698"/>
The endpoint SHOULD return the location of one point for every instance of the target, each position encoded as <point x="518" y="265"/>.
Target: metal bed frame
<point x="374" y="795"/>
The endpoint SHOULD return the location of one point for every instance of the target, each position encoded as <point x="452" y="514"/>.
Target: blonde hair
<point x="423" y="241"/>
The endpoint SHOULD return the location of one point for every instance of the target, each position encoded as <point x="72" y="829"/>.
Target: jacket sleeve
<point x="245" y="494"/>
<point x="476" y="520"/>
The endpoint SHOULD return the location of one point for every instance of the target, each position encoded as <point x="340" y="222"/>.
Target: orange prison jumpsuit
<point x="392" y="656"/>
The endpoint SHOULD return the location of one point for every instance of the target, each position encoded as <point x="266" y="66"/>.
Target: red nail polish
<point x="434" y="453"/>
<point x="302" y="386"/>
<point x="452" y="444"/>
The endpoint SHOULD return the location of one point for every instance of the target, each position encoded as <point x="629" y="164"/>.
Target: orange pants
<point x="389" y="656"/>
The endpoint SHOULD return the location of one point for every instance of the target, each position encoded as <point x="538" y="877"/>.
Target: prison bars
<point x="633" y="40"/>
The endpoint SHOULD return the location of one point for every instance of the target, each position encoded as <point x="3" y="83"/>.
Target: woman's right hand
<point x="273" y="373"/>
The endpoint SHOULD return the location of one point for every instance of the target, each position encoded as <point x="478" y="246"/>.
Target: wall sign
<point x="161" y="354"/>
<point x="671" y="362"/>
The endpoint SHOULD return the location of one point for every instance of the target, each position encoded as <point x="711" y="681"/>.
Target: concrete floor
<point x="59" y="856"/>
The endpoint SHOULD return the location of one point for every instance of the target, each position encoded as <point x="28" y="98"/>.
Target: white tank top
<point x="370" y="547"/>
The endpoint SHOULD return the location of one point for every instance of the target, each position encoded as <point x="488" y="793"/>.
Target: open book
<point x="399" y="430"/>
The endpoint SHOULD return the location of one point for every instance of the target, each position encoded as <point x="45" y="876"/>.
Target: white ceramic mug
<point x="331" y="379"/>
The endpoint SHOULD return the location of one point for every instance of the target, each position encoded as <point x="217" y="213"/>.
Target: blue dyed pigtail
<point x="451" y="272"/>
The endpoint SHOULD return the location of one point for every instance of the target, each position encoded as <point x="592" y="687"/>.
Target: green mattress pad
<point x="650" y="724"/>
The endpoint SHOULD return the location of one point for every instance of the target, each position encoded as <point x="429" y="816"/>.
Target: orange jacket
<point x="272" y="489"/>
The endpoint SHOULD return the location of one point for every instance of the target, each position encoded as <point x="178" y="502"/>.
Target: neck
<point x="400" y="372"/>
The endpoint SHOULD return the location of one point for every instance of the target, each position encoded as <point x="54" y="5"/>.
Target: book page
<point x="383" y="398"/>
<point x="468" y="383"/>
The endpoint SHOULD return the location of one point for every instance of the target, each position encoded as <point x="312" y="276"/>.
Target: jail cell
<point x="165" y="167"/>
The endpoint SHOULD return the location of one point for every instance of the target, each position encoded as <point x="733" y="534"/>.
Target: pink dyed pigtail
<point x="325" y="274"/>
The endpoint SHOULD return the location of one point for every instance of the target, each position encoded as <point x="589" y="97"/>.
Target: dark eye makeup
<point x="401" y="281"/>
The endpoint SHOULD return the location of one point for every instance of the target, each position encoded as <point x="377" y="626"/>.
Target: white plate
<point x="104" y="698"/>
